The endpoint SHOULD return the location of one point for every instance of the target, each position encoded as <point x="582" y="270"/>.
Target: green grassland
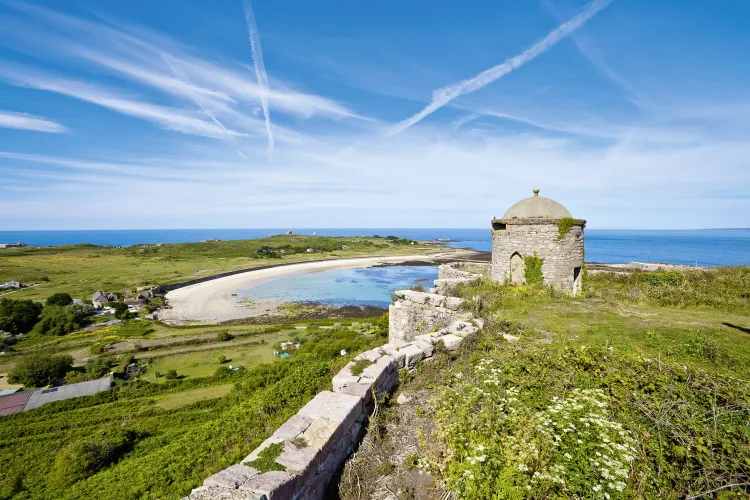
<point x="637" y="388"/>
<point x="80" y="270"/>
<point x="160" y="440"/>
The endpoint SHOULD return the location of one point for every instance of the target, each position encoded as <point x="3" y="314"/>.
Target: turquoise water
<point x="344" y="287"/>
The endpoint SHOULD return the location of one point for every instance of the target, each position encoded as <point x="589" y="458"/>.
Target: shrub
<point x="171" y="375"/>
<point x="18" y="316"/>
<point x="533" y="269"/>
<point x="121" y="310"/>
<point x="36" y="370"/>
<point x="224" y="336"/>
<point x="417" y="288"/>
<point x="222" y="359"/>
<point x="57" y="320"/>
<point x="78" y="460"/>
<point x="59" y="299"/>
<point x="563" y="226"/>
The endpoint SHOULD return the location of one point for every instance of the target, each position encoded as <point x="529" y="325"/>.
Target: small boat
<point x="234" y="295"/>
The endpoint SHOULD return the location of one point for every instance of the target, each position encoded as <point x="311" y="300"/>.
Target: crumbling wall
<point x="415" y="313"/>
<point x="323" y="434"/>
<point x="458" y="270"/>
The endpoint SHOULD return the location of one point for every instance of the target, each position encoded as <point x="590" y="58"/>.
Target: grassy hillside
<point x="637" y="389"/>
<point x="80" y="270"/>
<point x="160" y="440"/>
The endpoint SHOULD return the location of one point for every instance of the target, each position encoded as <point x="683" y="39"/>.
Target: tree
<point x="57" y="320"/>
<point x="59" y="299"/>
<point x="224" y="336"/>
<point x="171" y="375"/>
<point x="121" y="310"/>
<point x="18" y="316"/>
<point x="222" y="359"/>
<point x="40" y="369"/>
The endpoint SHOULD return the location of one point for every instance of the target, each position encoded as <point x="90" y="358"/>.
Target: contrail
<point x="183" y="77"/>
<point x="260" y="71"/>
<point x="443" y="96"/>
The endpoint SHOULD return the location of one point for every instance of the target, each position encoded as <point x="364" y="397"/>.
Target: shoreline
<point x="211" y="301"/>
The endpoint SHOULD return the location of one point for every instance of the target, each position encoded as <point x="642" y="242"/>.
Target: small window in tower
<point x="497" y="226"/>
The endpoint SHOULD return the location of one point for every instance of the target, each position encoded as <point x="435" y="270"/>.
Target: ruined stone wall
<point x="415" y="313"/>
<point x="320" y="437"/>
<point x="458" y="270"/>
<point x="527" y="236"/>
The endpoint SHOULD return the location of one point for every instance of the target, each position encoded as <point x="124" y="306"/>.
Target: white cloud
<point x="24" y="121"/>
<point x="445" y="95"/>
<point x="260" y="70"/>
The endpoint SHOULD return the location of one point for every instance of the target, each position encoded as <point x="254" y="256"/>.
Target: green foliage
<point x="59" y="299"/>
<point x="121" y="310"/>
<point x="266" y="460"/>
<point x="78" y="460"/>
<point x="358" y="367"/>
<point x="533" y="269"/>
<point x="18" y="316"/>
<point x="57" y="320"/>
<point x="386" y="468"/>
<point x="224" y="336"/>
<point x="417" y="288"/>
<point x="222" y="359"/>
<point x="171" y="375"/>
<point x="726" y="288"/>
<point x="564" y="225"/>
<point x="36" y="370"/>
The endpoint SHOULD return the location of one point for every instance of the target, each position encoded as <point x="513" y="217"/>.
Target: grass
<point x="663" y="357"/>
<point x="204" y="363"/>
<point x="80" y="270"/>
<point x="179" y="399"/>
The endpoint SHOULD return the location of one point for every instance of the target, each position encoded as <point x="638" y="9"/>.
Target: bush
<point x="222" y="359"/>
<point x="171" y="375"/>
<point x="18" y="316"/>
<point x="57" y="320"/>
<point x="121" y="310"/>
<point x="533" y="269"/>
<point x="224" y="336"/>
<point x="59" y="299"/>
<point x="40" y="369"/>
<point x="78" y="460"/>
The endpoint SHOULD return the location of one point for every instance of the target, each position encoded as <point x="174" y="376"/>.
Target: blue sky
<point x="226" y="114"/>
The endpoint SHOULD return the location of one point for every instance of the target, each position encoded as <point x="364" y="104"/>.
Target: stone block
<point x="432" y="338"/>
<point x="231" y="477"/>
<point x="265" y="444"/>
<point x="323" y="433"/>
<point x="425" y="347"/>
<point x="293" y="427"/>
<point x="451" y="341"/>
<point x="371" y="355"/>
<point x="413" y="355"/>
<point x="299" y="460"/>
<point x="220" y="493"/>
<point x="338" y="408"/>
<point x="342" y="379"/>
<point x="275" y="485"/>
<point x="362" y="391"/>
<point x="379" y="371"/>
<point x="393" y="351"/>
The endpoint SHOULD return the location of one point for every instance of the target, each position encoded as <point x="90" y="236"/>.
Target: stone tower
<point x="545" y="227"/>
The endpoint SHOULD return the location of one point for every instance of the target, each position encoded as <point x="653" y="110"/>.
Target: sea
<point x="706" y="247"/>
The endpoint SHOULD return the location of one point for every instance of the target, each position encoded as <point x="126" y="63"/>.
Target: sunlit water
<point x="343" y="287"/>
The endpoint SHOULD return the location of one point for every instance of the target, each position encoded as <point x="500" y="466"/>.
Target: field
<point x="80" y="270"/>
<point x="160" y="440"/>
<point x="639" y="388"/>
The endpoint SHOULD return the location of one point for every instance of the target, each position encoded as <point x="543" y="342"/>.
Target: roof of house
<point x="537" y="207"/>
<point x="99" y="296"/>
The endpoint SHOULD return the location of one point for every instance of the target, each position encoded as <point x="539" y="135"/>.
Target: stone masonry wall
<point x="527" y="236"/>
<point x="415" y="313"/>
<point x="455" y="270"/>
<point x="321" y="436"/>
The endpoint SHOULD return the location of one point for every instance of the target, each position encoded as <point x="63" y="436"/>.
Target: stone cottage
<point x="538" y="228"/>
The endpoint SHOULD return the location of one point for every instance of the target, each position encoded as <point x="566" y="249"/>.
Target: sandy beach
<point x="212" y="301"/>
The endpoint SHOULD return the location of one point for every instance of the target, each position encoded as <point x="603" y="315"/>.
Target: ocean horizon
<point x="702" y="247"/>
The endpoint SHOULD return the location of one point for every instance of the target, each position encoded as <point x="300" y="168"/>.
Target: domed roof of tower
<point x="537" y="207"/>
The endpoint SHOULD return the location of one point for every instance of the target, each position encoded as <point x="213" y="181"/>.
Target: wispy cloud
<point x="24" y="121"/>
<point x="260" y="70"/>
<point x="445" y="95"/>
<point x="170" y="118"/>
